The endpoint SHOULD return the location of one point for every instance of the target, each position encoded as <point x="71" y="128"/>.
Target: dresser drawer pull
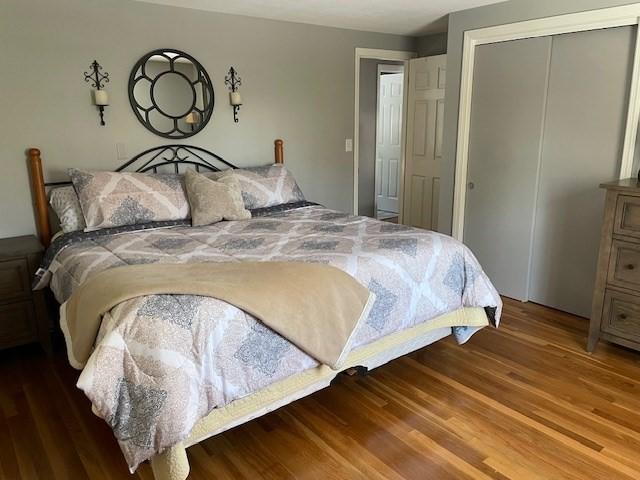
<point x="622" y="316"/>
<point x="630" y="266"/>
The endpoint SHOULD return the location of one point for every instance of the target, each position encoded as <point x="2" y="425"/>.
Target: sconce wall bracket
<point x="236" y="109"/>
<point x="233" y="80"/>
<point x="96" y="77"/>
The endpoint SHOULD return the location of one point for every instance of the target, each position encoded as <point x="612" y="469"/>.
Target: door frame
<point x="626" y="15"/>
<point x="393" y="55"/>
<point x="389" y="68"/>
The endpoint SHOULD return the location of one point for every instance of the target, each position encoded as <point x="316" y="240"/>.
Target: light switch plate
<point x="122" y="151"/>
<point x="348" y="145"/>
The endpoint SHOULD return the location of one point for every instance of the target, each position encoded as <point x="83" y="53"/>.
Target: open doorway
<point x="379" y="137"/>
<point x="389" y="127"/>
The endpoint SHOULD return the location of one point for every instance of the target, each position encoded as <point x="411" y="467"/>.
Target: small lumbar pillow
<point x="212" y="201"/>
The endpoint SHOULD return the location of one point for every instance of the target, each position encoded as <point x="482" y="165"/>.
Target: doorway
<point x="381" y="127"/>
<point x="379" y="132"/>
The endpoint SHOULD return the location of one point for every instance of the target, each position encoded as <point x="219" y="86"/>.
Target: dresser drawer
<point x="621" y="315"/>
<point x="627" y="216"/>
<point x="17" y="324"/>
<point x="14" y="280"/>
<point x="624" y="265"/>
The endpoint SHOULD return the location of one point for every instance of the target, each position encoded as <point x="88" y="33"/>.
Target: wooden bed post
<point x="279" y="150"/>
<point x="39" y="197"/>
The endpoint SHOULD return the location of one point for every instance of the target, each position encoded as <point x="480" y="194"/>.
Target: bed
<point x="168" y="371"/>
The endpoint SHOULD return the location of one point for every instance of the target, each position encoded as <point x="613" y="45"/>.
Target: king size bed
<point x="169" y="367"/>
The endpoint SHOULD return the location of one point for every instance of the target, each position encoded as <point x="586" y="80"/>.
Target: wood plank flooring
<point x="522" y="402"/>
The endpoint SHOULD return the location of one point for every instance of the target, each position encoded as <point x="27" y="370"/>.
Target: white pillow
<point x="65" y="202"/>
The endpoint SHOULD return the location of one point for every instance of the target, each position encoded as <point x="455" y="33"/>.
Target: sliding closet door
<point x="509" y="90"/>
<point x="581" y="148"/>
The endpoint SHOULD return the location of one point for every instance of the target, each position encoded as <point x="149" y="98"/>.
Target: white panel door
<point x="388" y="139"/>
<point x="507" y="112"/>
<point x="425" y="118"/>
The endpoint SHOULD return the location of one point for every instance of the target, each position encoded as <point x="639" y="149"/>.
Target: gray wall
<point x="297" y="85"/>
<point x="367" y="134"/>
<point x="435" y="44"/>
<point x="501" y="13"/>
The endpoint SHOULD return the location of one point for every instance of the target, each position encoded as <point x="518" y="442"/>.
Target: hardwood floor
<point x="522" y="402"/>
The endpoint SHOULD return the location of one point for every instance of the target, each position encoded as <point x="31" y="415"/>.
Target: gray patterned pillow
<point x="267" y="186"/>
<point x="65" y="203"/>
<point x="114" y="199"/>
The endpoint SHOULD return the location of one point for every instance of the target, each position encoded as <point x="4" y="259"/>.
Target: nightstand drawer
<point x="14" y="280"/>
<point x="621" y="315"/>
<point x="17" y="324"/>
<point x="627" y="219"/>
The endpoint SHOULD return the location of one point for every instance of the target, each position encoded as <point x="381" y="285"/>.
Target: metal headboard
<point x="149" y="160"/>
<point x="169" y="155"/>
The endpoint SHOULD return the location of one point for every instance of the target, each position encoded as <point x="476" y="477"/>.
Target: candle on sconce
<point x="100" y="97"/>
<point x="235" y="99"/>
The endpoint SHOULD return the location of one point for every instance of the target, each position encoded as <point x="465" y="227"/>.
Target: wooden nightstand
<point x="23" y="312"/>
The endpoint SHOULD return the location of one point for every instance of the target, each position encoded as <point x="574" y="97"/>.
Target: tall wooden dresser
<point x="615" y="314"/>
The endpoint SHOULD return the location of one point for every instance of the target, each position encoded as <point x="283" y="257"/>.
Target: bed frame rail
<point x="150" y="160"/>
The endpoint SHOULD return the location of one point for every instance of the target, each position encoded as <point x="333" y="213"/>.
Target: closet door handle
<point x="471" y="185"/>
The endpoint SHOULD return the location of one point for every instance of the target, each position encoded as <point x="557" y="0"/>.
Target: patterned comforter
<point x="163" y="362"/>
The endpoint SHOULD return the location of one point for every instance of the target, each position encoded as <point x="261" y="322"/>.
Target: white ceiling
<point x="402" y="17"/>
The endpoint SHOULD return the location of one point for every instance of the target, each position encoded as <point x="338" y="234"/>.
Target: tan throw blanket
<point x="316" y="307"/>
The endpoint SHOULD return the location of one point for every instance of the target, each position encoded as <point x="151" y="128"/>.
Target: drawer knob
<point x="630" y="266"/>
<point x="622" y="316"/>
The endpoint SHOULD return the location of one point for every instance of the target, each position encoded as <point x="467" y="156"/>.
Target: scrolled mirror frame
<point x="202" y="77"/>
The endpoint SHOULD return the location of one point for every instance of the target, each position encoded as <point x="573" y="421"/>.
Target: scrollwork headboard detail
<point x="175" y="156"/>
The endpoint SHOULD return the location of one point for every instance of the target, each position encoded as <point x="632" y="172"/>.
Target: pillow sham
<point x="212" y="201"/>
<point x="267" y="186"/>
<point x="65" y="203"/>
<point x="115" y="199"/>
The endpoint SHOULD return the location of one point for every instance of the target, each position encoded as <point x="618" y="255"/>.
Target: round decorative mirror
<point x="171" y="93"/>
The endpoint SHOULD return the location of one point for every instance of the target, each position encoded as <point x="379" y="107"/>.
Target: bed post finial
<point x="39" y="196"/>
<point x="279" y="150"/>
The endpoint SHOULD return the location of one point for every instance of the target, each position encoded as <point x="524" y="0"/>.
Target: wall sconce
<point x="234" y="81"/>
<point x="97" y="78"/>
